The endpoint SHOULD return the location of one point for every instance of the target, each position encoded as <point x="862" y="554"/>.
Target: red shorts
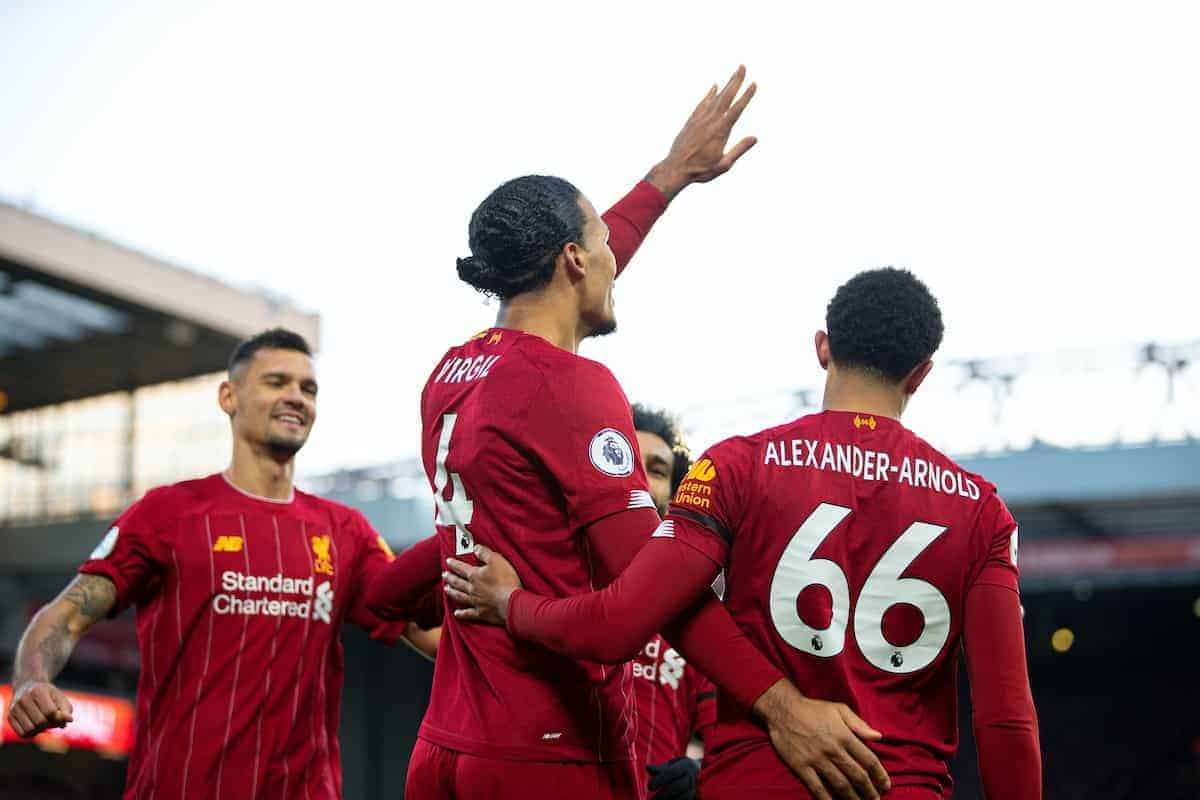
<point x="798" y="792"/>
<point x="755" y="770"/>
<point x="435" y="773"/>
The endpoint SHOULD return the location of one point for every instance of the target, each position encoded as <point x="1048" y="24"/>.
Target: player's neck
<point x="861" y="397"/>
<point x="556" y="324"/>
<point x="260" y="474"/>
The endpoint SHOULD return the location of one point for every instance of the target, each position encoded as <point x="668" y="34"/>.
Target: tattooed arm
<point x="45" y="647"/>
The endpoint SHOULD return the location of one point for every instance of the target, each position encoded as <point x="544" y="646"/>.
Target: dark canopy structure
<point x="82" y="316"/>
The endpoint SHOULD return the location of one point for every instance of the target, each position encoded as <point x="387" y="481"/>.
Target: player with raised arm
<point x="857" y="555"/>
<point x="241" y="586"/>
<point x="529" y="448"/>
<point x="674" y="702"/>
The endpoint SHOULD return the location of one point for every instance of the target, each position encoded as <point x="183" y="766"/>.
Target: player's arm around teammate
<point x="44" y="649"/>
<point x="821" y="741"/>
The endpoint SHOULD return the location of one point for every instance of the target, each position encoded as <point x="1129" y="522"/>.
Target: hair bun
<point x="479" y="273"/>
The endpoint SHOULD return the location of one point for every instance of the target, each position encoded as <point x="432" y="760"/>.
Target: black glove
<point x="674" y="779"/>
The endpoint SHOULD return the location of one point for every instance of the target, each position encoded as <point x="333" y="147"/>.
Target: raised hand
<point x="483" y="591"/>
<point x="698" y="154"/>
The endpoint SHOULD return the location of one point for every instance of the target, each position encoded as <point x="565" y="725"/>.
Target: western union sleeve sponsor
<point x="694" y="494"/>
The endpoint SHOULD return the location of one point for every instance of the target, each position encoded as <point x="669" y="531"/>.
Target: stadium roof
<point x="82" y="316"/>
<point x="1044" y="473"/>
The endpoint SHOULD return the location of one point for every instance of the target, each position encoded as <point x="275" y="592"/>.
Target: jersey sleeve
<point x="630" y="219"/>
<point x="373" y="557"/>
<point x="132" y="553"/>
<point x="706" y="707"/>
<point x="1003" y="714"/>
<point x="705" y="510"/>
<point x="581" y="430"/>
<point x="999" y="530"/>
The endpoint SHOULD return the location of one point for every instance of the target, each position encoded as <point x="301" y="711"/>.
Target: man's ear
<point x="573" y="261"/>
<point x="821" y="342"/>
<point x="913" y="380"/>
<point x="227" y="398"/>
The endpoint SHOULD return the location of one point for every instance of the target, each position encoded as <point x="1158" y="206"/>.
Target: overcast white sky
<point x="1035" y="163"/>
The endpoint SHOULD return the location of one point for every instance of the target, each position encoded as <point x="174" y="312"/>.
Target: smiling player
<point x="241" y="586"/>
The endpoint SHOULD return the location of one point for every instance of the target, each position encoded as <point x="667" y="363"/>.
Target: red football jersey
<point x="673" y="702"/>
<point x="850" y="545"/>
<point x="240" y="602"/>
<point x="525" y="444"/>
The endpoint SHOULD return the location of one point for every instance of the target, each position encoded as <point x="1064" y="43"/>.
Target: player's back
<point x="526" y="444"/>
<point x="853" y="546"/>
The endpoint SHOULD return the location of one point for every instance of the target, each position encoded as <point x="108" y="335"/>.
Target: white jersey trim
<point x="640" y="498"/>
<point x="252" y="496"/>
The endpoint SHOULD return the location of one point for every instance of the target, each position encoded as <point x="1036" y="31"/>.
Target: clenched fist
<point x="37" y="707"/>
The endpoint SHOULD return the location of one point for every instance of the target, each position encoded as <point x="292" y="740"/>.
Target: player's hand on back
<point x="37" y="707"/>
<point x="823" y="743"/>
<point x="698" y="153"/>
<point x="483" y="591"/>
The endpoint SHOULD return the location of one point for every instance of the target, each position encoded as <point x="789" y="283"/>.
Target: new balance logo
<point x="228" y="544"/>
<point x="550" y="737"/>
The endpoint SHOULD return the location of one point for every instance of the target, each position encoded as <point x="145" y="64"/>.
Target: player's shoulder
<point x="734" y="450"/>
<point x="747" y="447"/>
<point x="555" y="379"/>
<point x="988" y="510"/>
<point x="178" y="498"/>
<point x="987" y="490"/>
<point x="557" y="366"/>
<point x="341" y="515"/>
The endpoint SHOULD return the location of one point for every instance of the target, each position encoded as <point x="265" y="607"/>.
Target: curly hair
<point x="664" y="426"/>
<point x="273" y="339"/>
<point x="883" y="321"/>
<point x="516" y="233"/>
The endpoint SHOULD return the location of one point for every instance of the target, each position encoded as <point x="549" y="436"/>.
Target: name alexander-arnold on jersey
<point x="871" y="465"/>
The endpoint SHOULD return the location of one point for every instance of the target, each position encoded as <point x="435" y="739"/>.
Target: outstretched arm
<point x="45" y="648"/>
<point x="697" y="155"/>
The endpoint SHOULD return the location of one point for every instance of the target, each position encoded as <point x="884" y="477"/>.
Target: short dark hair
<point x="516" y="233"/>
<point x="664" y="426"/>
<point x="273" y="339"/>
<point x="883" y="321"/>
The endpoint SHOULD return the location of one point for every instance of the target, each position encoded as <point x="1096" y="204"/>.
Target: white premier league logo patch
<point x="611" y="453"/>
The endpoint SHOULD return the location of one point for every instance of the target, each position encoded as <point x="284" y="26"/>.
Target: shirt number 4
<point x="457" y="511"/>
<point x="883" y="589"/>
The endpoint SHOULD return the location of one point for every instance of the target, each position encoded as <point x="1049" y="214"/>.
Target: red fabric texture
<point x="240" y="603"/>
<point x="436" y="773"/>
<point x="1004" y="719"/>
